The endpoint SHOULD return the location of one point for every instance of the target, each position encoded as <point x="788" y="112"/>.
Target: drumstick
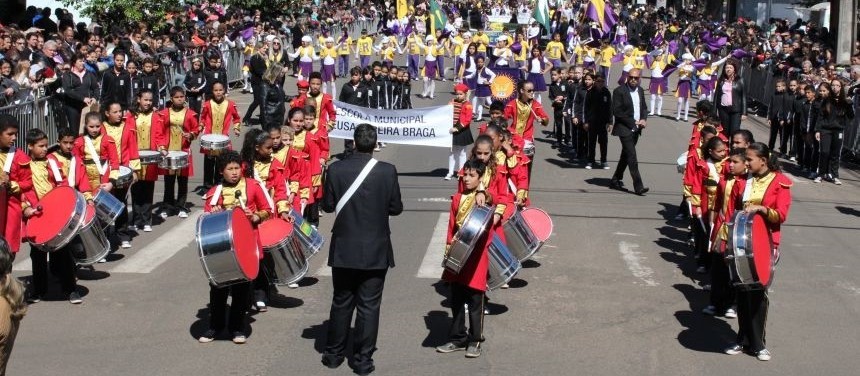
<point x="241" y="200"/>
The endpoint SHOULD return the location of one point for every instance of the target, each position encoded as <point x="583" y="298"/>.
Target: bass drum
<point x="61" y="214"/>
<point x="228" y="248"/>
<point x="93" y="239"/>
<point x="466" y="238"/>
<point x="283" y="261"/>
<point x="503" y="265"/>
<point x="750" y="253"/>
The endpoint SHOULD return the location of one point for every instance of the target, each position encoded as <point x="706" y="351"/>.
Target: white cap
<point x="329" y="40"/>
<point x="270" y="38"/>
<point x="429" y="37"/>
<point x="467" y="35"/>
<point x="628" y="48"/>
<point x="687" y="56"/>
<point x="307" y="38"/>
<point x="502" y="38"/>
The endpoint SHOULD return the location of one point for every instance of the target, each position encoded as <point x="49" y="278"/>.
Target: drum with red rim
<point x="540" y="223"/>
<point x="474" y="226"/>
<point x="228" y="247"/>
<point x="750" y="253"/>
<point x="283" y="259"/>
<point x="519" y="237"/>
<point x="93" y="239"/>
<point x="60" y="215"/>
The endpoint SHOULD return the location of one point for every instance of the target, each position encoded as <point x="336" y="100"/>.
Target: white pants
<point x="456" y="159"/>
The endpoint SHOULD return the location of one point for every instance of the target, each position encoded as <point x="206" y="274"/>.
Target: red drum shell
<point x="273" y="231"/>
<point x="57" y="208"/>
<point x="245" y="245"/>
<point x="539" y="221"/>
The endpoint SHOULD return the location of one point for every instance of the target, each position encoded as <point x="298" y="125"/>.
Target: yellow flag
<point x="402" y="9"/>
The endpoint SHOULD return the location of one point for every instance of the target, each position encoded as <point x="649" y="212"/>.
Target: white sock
<point x="476" y="109"/>
<point x="432" y="88"/>
<point x="324" y="87"/>
<point x="653" y="103"/>
<point x="537" y="97"/>
<point x="680" y="105"/>
<point x="426" y="87"/>
<point x="686" y="109"/>
<point x="660" y="105"/>
<point x="462" y="157"/>
<point x="333" y="89"/>
<point x="452" y="161"/>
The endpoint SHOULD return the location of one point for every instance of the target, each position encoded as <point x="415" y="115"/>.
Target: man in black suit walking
<point x="360" y="250"/>
<point x="630" y="112"/>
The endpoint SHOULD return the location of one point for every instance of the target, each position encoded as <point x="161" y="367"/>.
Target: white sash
<point x="265" y="190"/>
<point x="91" y="149"/>
<point x="355" y="184"/>
<point x="214" y="200"/>
<point x="7" y="166"/>
<point x="58" y="177"/>
<point x="748" y="188"/>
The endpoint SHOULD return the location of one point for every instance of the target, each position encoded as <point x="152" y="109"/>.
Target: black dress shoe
<point x="616" y="184"/>
<point x="332" y="361"/>
<point x="643" y="191"/>
<point x="364" y="370"/>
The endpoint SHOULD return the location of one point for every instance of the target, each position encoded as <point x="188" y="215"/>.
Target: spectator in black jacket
<point x="80" y="89"/>
<point x="257" y="67"/>
<point x="558" y="95"/>
<point x="353" y="92"/>
<point x="195" y="84"/>
<point x="215" y="72"/>
<point x="836" y="112"/>
<point x="149" y="80"/>
<point x="116" y="83"/>
<point x="778" y="115"/>
<point x="806" y="115"/>
<point x="272" y="114"/>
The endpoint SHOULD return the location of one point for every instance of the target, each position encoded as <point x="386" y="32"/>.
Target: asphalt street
<point x="613" y="292"/>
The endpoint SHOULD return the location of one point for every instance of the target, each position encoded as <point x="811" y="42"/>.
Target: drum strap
<point x="216" y="195"/>
<point x="265" y="190"/>
<point x="512" y="186"/>
<point x="91" y="149"/>
<point x="7" y="166"/>
<point x="355" y="184"/>
<point x="748" y="188"/>
<point x="58" y="177"/>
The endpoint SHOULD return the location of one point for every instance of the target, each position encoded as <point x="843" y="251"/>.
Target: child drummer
<point x="468" y="287"/>
<point x="234" y="191"/>
<point x="57" y="169"/>
<point x="125" y="135"/>
<point x="216" y="117"/>
<point x="14" y="178"/>
<point x="149" y="124"/>
<point x="180" y="128"/>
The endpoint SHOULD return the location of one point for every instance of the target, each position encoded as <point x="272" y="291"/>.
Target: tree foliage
<point x="124" y="11"/>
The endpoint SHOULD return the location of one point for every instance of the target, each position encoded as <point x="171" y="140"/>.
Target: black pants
<point x="359" y="291"/>
<point x="796" y="140"/>
<point x="73" y="116"/>
<point x="210" y="171"/>
<point x="700" y="238"/>
<point x="462" y="296"/>
<point x="628" y="159"/>
<point x="776" y="130"/>
<point x="261" y="283"/>
<point x="560" y="122"/>
<point x="238" y="307"/>
<point x="195" y="102"/>
<point x="752" y="318"/>
<point x="580" y="140"/>
<point x="141" y="203"/>
<point x="731" y="121"/>
<point x="808" y="152"/>
<point x="121" y="223"/>
<point x="722" y="291"/>
<point x="312" y="212"/>
<point x="177" y="202"/>
<point x="830" y="148"/>
<point x="258" y="101"/>
<point x="597" y="134"/>
<point x="62" y="263"/>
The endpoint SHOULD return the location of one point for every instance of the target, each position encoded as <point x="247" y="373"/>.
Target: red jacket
<point x="191" y="126"/>
<point x="296" y="176"/>
<point x="527" y="129"/>
<point x="704" y="188"/>
<point x="156" y="141"/>
<point x="326" y="112"/>
<point x="724" y="206"/>
<point x="777" y="198"/>
<point x="474" y="272"/>
<point x="254" y="199"/>
<point x="107" y="153"/>
<point x="20" y="183"/>
<point x="312" y="163"/>
<point x="276" y="185"/>
<point x="128" y="148"/>
<point x="464" y="118"/>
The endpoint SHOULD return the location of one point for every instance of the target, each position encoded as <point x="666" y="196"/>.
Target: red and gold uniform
<point x="296" y="176"/>
<point x="16" y="165"/>
<point x="150" y="136"/>
<point x="103" y="152"/>
<point x="175" y="126"/>
<point x="523" y="117"/>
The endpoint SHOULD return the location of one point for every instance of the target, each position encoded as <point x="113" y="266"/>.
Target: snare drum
<point x="214" y="143"/>
<point x="108" y="207"/>
<point x="93" y="239"/>
<point x="503" y="265"/>
<point x="520" y="238"/>
<point x="227" y="247"/>
<point x="124" y="179"/>
<point x="307" y="238"/>
<point x="148" y="157"/>
<point x="61" y="215"/>
<point x="174" y="160"/>
<point x="466" y="238"/>
<point x="682" y="162"/>
<point x="750" y="252"/>
<point x="283" y="261"/>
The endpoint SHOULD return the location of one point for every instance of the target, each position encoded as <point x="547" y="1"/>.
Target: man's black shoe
<point x="332" y="361"/>
<point x="643" y="191"/>
<point x="616" y="184"/>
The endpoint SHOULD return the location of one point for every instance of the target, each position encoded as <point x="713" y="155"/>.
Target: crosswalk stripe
<point x="161" y="249"/>
<point x="431" y="265"/>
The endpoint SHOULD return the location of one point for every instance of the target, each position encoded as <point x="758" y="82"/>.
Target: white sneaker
<point x="588" y="166"/>
<point x="817" y="179"/>
<point x="447" y="177"/>
<point x="837" y="181"/>
<point x="163" y="215"/>
<point x="147" y="228"/>
<point x="183" y="214"/>
<point x="102" y="260"/>
<point x="505" y="286"/>
<point x="793" y="159"/>
<point x="125" y="244"/>
<point x="734" y="349"/>
<point x="132" y="228"/>
<point x="377" y="148"/>
<point x="731" y="313"/>
<point x="763" y="355"/>
<point x="293" y="285"/>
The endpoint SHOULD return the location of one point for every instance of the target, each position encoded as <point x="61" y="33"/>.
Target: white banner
<point x="426" y="126"/>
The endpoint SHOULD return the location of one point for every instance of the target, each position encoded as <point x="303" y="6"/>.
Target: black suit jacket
<point x="361" y="236"/>
<point x="622" y="110"/>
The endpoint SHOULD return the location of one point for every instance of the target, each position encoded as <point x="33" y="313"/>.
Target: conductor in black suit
<point x="360" y="250"/>
<point x="630" y="112"/>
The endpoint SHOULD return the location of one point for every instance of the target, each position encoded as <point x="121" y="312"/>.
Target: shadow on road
<point x="318" y="333"/>
<point x="848" y="211"/>
<point x="437" y="323"/>
<point x="701" y="332"/>
<point x="528" y="264"/>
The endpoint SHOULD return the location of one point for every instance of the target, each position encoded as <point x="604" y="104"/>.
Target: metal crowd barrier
<point x="42" y="113"/>
<point x="760" y="87"/>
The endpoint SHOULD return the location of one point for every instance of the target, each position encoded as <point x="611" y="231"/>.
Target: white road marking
<point x="431" y="265"/>
<point x="624" y="234"/>
<point x="849" y="287"/>
<point x="324" y="270"/>
<point x="160" y="250"/>
<point x="434" y="199"/>
<point x="634" y="261"/>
